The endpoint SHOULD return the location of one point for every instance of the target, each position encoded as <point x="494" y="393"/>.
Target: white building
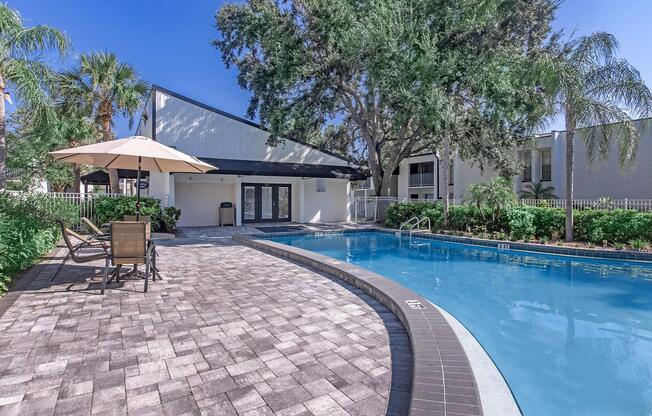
<point x="420" y="176"/>
<point x="292" y="181"/>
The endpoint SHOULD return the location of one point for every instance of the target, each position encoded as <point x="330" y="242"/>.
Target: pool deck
<point x="229" y="331"/>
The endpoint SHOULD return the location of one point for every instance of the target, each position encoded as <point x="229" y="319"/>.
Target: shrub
<point x="28" y="230"/>
<point x="638" y="244"/>
<point x="169" y="219"/>
<point x="593" y="226"/>
<point x="521" y="223"/>
<point x="397" y="214"/>
<point x="114" y="209"/>
<point x="547" y="221"/>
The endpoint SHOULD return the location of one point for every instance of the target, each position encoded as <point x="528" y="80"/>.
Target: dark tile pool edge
<point x="440" y="366"/>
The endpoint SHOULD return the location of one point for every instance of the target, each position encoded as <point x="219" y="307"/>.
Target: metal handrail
<point x="418" y="223"/>
<point x="408" y="222"/>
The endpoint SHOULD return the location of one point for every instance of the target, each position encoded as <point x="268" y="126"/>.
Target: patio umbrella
<point x="136" y="152"/>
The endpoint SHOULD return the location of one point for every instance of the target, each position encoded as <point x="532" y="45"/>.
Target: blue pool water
<point x="572" y="336"/>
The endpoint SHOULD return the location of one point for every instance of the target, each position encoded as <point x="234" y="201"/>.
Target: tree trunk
<point x="445" y="160"/>
<point x="114" y="181"/>
<point x="76" y="181"/>
<point x="570" y="170"/>
<point x="3" y="142"/>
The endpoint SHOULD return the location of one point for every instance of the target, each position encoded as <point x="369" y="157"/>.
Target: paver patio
<point x="229" y="330"/>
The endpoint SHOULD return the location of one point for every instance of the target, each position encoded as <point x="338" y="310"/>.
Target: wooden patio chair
<point x="129" y="245"/>
<point x="75" y="250"/>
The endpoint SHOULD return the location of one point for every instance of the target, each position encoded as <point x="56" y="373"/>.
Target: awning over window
<point x="260" y="168"/>
<point x="100" y="177"/>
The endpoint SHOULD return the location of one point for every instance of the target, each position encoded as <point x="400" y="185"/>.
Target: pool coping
<point x="599" y="253"/>
<point x="441" y="366"/>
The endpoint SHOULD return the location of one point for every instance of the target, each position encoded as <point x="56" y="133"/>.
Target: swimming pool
<point x="571" y="335"/>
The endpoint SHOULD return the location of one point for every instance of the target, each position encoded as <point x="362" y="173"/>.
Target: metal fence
<point x="373" y="209"/>
<point x="601" y="203"/>
<point x="85" y="202"/>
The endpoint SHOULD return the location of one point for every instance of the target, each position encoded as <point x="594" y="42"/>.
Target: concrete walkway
<point x="229" y="331"/>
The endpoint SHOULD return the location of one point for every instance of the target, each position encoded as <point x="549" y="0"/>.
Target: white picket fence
<point x="373" y="209"/>
<point x="601" y="204"/>
<point x="85" y="202"/>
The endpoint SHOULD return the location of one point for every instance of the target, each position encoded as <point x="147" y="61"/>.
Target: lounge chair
<point x="92" y="227"/>
<point x="75" y="250"/>
<point x="129" y="245"/>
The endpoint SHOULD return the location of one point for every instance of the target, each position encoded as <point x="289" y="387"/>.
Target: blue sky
<point x="169" y="41"/>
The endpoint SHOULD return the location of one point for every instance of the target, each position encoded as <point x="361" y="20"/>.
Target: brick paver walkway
<point x="229" y="331"/>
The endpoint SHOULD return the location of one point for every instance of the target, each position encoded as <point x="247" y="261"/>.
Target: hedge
<point x="115" y="208"/>
<point x="522" y="222"/>
<point x="28" y="230"/>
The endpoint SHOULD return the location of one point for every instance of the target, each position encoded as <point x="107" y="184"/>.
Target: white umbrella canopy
<point x="136" y="152"/>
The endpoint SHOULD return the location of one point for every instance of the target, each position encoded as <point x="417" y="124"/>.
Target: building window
<point x="526" y="176"/>
<point x="546" y="165"/>
<point x="422" y="174"/>
<point x="451" y="169"/>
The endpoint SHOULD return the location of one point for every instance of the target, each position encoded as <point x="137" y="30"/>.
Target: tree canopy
<point x="386" y="79"/>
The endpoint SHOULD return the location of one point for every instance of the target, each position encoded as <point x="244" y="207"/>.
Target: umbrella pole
<point x="138" y="191"/>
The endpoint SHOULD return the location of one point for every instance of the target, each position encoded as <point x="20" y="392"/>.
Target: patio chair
<point x="74" y="250"/>
<point x="144" y="218"/>
<point x="128" y="246"/>
<point x="97" y="231"/>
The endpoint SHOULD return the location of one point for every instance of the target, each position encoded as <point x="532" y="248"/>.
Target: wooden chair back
<point x="128" y="242"/>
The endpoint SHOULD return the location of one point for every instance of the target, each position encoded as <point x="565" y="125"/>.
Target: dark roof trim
<point x="262" y="168"/>
<point x="236" y="118"/>
<point x="99" y="177"/>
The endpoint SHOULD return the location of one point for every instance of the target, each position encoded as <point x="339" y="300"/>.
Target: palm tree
<point x="104" y="86"/>
<point x="593" y="87"/>
<point x="21" y="70"/>
<point x="538" y="190"/>
<point x="498" y="194"/>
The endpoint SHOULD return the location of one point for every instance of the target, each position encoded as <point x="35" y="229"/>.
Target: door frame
<point x="258" y="202"/>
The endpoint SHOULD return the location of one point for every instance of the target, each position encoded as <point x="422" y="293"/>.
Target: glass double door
<point x="266" y="202"/>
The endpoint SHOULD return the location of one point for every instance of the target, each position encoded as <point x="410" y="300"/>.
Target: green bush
<point x="114" y="209"/>
<point x="521" y="223"/>
<point x="397" y="214"/>
<point x="28" y="230"/>
<point x="547" y="221"/>
<point x="169" y="219"/>
<point x="593" y="226"/>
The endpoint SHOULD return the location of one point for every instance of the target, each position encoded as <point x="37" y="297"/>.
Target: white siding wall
<point x="466" y="174"/>
<point x="329" y="206"/>
<point x="607" y="178"/>
<point x="199" y="132"/>
<point x="145" y="124"/>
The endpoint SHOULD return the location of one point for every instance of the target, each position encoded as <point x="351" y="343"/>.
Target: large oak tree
<point x="386" y="79"/>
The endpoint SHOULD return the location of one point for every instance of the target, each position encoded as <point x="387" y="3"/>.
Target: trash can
<point x="227" y="214"/>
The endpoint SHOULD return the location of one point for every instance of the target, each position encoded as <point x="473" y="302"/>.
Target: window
<point x="546" y="165"/>
<point x="526" y="176"/>
<point x="422" y="174"/>
<point x="450" y="173"/>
